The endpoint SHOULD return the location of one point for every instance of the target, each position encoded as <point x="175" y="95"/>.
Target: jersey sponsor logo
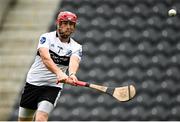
<point x="43" y="40"/>
<point x="61" y="60"/>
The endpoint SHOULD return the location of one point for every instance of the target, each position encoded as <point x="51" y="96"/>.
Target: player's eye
<point x="65" y="22"/>
<point x="68" y="22"/>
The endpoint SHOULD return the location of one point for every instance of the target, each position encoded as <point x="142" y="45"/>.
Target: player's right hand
<point x="63" y="78"/>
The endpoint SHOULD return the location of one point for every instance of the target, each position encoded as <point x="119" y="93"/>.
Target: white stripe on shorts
<point x="57" y="98"/>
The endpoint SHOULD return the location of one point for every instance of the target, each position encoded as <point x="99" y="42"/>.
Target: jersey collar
<point x="60" y="40"/>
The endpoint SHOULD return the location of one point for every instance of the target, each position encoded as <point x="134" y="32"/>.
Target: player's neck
<point x="64" y="40"/>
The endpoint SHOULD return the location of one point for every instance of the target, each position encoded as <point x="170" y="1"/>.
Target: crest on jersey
<point x="69" y="52"/>
<point x="43" y="40"/>
<point x="80" y="53"/>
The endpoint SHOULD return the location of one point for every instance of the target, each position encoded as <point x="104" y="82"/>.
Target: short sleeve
<point x="43" y="41"/>
<point x="78" y="52"/>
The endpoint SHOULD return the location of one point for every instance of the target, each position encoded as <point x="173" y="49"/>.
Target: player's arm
<point x="73" y="65"/>
<point x="48" y="62"/>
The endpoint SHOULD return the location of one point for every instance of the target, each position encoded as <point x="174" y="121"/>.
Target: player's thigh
<point x="50" y="94"/>
<point x="47" y="102"/>
<point x="26" y="114"/>
<point x="30" y="95"/>
<point x="43" y="111"/>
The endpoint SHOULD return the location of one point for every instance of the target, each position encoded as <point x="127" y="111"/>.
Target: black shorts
<point x="32" y="95"/>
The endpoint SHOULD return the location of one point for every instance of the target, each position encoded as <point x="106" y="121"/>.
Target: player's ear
<point x="74" y="26"/>
<point x="57" y="26"/>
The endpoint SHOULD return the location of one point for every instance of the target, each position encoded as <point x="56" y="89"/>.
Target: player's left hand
<point x="73" y="78"/>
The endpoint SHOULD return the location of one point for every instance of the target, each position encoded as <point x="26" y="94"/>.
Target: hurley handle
<point x="82" y="83"/>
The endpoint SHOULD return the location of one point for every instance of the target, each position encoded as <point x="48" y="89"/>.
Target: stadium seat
<point x="99" y="22"/>
<point x="86" y="11"/>
<point x="104" y="10"/>
<point x="161" y="97"/>
<point x="137" y="10"/>
<point x="155" y="111"/>
<point x="60" y="114"/>
<point x="174" y="112"/>
<point x="137" y="22"/>
<point x="85" y="24"/>
<point x="139" y="110"/>
<point x="119" y="21"/>
<point x="160" y="8"/>
<point x="119" y="113"/>
<point x="123" y="10"/>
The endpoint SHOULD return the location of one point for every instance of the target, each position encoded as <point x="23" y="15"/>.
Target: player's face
<point x="66" y="28"/>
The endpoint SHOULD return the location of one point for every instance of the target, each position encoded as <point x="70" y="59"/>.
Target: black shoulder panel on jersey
<point x="61" y="60"/>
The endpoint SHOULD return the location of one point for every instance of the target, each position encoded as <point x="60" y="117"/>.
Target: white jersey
<point x="60" y="53"/>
